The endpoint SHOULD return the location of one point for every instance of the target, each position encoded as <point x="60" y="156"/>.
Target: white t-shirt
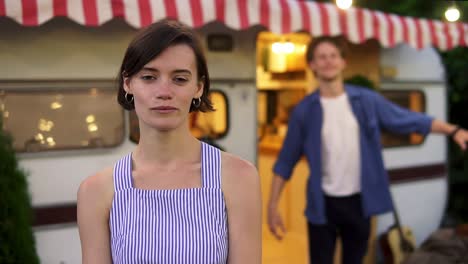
<point x="341" y="160"/>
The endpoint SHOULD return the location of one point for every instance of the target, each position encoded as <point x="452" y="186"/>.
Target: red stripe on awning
<point x="376" y="26"/>
<point x="265" y="13"/>
<point x="324" y="19"/>
<point x="434" y="38"/>
<point x="461" y="32"/>
<point x="419" y="33"/>
<point x="343" y="21"/>
<point x="60" y="7"/>
<point x="171" y="9"/>
<point x="391" y="30"/>
<point x="448" y="36"/>
<point x="2" y="8"/>
<point x="285" y="17"/>
<point x="220" y="10"/>
<point x="197" y="13"/>
<point x="29" y="12"/>
<point x="118" y="8"/>
<point x="243" y="13"/>
<point x="90" y="12"/>
<point x="146" y="17"/>
<point x="305" y="16"/>
<point x="360" y="24"/>
<point x="405" y="30"/>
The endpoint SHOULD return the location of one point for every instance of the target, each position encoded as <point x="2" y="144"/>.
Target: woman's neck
<point x="166" y="147"/>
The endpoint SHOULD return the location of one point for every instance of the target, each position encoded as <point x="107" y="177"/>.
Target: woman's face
<point x="164" y="88"/>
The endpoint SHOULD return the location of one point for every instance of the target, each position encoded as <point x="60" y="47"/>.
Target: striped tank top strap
<point x="211" y="166"/>
<point x="123" y="173"/>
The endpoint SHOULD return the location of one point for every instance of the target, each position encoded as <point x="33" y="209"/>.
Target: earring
<point x="196" y="103"/>
<point x="126" y="98"/>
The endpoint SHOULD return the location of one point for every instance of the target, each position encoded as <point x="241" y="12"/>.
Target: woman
<point x="173" y="199"/>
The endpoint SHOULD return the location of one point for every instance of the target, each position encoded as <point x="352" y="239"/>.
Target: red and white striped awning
<point x="279" y="16"/>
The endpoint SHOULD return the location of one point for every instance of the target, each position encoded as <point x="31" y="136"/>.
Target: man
<point x="337" y="128"/>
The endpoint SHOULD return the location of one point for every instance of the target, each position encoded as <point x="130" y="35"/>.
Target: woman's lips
<point x="164" y="109"/>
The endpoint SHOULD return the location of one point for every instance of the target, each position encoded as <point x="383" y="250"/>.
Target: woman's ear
<point x="200" y="87"/>
<point x="126" y="84"/>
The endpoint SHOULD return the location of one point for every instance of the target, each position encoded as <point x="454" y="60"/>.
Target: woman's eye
<point x="180" y="79"/>
<point x="147" y="77"/>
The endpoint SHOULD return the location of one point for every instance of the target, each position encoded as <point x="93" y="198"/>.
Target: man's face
<point x="327" y="62"/>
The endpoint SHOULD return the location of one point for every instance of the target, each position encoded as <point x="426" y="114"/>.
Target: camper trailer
<point x="58" y="100"/>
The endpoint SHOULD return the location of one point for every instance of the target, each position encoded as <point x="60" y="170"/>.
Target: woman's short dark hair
<point x="150" y="43"/>
<point x="338" y="42"/>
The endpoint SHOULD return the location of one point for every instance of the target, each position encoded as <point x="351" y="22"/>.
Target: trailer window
<point x="413" y="100"/>
<point x="59" y="118"/>
<point x="205" y="126"/>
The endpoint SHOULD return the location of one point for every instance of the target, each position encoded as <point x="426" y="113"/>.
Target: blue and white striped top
<point x="170" y="226"/>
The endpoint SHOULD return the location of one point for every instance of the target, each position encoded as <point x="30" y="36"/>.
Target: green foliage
<point x="16" y="238"/>
<point x="414" y="8"/>
<point x="456" y="65"/>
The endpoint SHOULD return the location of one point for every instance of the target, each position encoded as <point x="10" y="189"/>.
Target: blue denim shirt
<point x="373" y="112"/>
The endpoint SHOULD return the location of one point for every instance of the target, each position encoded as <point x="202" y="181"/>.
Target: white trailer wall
<point x="421" y="204"/>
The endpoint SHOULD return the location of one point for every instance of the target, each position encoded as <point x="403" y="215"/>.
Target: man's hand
<point x="275" y="223"/>
<point x="461" y="138"/>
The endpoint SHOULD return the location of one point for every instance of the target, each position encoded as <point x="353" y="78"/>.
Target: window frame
<point x="424" y="111"/>
<point x="228" y="123"/>
<point x="69" y="87"/>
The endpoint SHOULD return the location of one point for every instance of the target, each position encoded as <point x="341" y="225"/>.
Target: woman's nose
<point x="163" y="89"/>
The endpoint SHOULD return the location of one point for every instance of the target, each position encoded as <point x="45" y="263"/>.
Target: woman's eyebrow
<point x="151" y="69"/>
<point x="182" y="71"/>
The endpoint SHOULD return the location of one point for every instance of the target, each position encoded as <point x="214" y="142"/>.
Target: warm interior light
<point x="45" y="125"/>
<point x="92" y="127"/>
<point x="288" y="47"/>
<point x="39" y="137"/>
<point x="452" y="14"/>
<point x="90" y="118"/>
<point x="282" y="47"/>
<point x="55" y="105"/>
<point x="50" y="141"/>
<point x="344" y="4"/>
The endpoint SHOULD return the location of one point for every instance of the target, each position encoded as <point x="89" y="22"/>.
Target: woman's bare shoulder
<point x="93" y="212"/>
<point x="238" y="172"/>
<point x="97" y="188"/>
<point x="243" y="199"/>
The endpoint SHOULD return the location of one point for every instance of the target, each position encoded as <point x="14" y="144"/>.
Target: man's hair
<point x="338" y="42"/>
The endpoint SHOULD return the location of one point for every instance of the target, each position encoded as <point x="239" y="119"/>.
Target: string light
<point x="344" y="4"/>
<point x="452" y="13"/>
